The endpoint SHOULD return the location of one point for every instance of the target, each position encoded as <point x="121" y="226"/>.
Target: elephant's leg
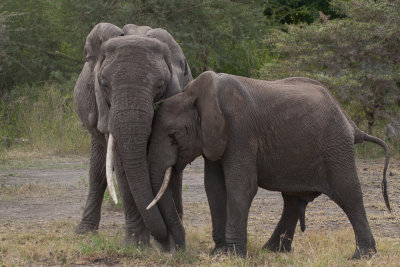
<point x="97" y="186"/>
<point x="214" y="182"/>
<point x="282" y="237"/>
<point x="176" y="188"/>
<point x="135" y="231"/>
<point x="241" y="187"/>
<point x="346" y="192"/>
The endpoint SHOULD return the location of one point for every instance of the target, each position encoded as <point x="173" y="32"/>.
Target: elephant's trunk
<point x="131" y="116"/>
<point x="109" y="168"/>
<point x="166" y="203"/>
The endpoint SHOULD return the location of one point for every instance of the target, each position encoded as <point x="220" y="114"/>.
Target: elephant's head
<point x="186" y="126"/>
<point x="101" y="33"/>
<point x="133" y="72"/>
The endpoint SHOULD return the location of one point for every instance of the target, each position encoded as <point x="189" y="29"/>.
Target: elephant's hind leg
<point x="346" y="192"/>
<point x="97" y="185"/>
<point x="282" y="237"/>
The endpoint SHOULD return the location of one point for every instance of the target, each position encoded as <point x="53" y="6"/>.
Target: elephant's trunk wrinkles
<point x="164" y="186"/>
<point x="131" y="116"/>
<point x="109" y="168"/>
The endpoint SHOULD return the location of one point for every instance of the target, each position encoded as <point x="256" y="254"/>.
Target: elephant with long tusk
<point x="126" y="71"/>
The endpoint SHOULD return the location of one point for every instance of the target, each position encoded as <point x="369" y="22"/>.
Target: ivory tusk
<point x="164" y="186"/>
<point x="109" y="168"/>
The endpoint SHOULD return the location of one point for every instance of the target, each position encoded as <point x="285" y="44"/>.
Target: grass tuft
<point x="55" y="243"/>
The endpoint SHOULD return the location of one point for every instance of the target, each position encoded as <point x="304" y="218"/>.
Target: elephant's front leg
<point x="241" y="187"/>
<point x="282" y="237"/>
<point x="97" y="185"/>
<point x="135" y="231"/>
<point x="214" y="182"/>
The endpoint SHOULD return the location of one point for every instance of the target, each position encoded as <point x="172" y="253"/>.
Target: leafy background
<point x="348" y="45"/>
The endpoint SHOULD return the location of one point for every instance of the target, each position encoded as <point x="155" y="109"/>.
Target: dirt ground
<point x="55" y="190"/>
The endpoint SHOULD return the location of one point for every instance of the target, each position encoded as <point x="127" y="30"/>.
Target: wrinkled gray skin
<point x="287" y="135"/>
<point x="114" y="93"/>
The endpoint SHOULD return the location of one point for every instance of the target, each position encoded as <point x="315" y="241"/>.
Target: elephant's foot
<point x="238" y="250"/>
<point x="363" y="253"/>
<point x="219" y="249"/>
<point x="84" y="227"/>
<point x="141" y="238"/>
<point x="168" y="245"/>
<point x="281" y="245"/>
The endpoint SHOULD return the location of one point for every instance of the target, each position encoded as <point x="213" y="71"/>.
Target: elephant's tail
<point x="359" y="137"/>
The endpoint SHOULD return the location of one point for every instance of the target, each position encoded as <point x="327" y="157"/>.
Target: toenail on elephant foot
<point x="363" y="253"/>
<point x="83" y="228"/>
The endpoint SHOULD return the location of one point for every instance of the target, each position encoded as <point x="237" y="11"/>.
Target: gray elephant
<point x="125" y="72"/>
<point x="287" y="135"/>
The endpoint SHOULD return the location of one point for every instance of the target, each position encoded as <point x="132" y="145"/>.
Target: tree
<point x="357" y="57"/>
<point x="45" y="38"/>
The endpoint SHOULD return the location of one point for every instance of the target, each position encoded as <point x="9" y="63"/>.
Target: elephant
<point x="286" y="135"/>
<point x="126" y="70"/>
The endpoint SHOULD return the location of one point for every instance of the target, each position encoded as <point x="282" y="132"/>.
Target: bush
<point x="357" y="57"/>
<point x="42" y="118"/>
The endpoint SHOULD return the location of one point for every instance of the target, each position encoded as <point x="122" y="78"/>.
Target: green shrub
<point x="42" y="118"/>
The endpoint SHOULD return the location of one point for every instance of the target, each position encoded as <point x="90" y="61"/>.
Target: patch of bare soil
<point x="59" y="194"/>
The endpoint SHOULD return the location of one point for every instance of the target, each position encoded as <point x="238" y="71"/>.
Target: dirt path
<point x="57" y="191"/>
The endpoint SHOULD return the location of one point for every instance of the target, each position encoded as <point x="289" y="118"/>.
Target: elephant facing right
<point x="287" y="135"/>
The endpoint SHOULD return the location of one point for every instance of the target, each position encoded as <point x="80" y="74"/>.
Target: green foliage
<point x="43" y="118"/>
<point x="356" y="57"/>
<point x="31" y="43"/>
<point x="44" y="39"/>
<point x="297" y="11"/>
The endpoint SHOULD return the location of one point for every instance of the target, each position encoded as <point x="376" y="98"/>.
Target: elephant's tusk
<point x="164" y="186"/>
<point x="109" y="168"/>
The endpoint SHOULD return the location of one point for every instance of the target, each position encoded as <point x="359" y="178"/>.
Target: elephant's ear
<point x="173" y="86"/>
<point x="173" y="58"/>
<point x="102" y="106"/>
<point x="97" y="36"/>
<point x="213" y="130"/>
<point x="187" y="75"/>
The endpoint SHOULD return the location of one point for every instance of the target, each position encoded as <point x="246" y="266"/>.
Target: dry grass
<point x="22" y="191"/>
<point x="55" y="243"/>
<point x="20" y="158"/>
<point x="328" y="240"/>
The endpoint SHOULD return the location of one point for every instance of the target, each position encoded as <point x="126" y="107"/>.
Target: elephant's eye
<point x="160" y="84"/>
<point x="173" y="138"/>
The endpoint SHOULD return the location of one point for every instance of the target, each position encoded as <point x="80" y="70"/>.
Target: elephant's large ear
<point x="97" y="36"/>
<point x="172" y="55"/>
<point x="173" y="86"/>
<point x="213" y="130"/>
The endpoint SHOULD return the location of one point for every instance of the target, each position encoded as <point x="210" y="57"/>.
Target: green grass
<point x="110" y="202"/>
<point x="42" y="119"/>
